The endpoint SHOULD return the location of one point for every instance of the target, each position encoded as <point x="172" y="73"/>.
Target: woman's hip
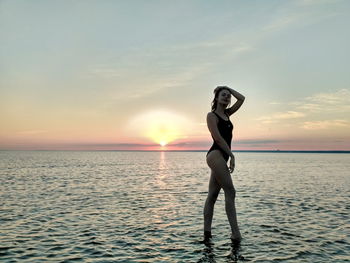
<point x="215" y="156"/>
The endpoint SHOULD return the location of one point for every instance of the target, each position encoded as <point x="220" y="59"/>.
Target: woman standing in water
<point x="220" y="127"/>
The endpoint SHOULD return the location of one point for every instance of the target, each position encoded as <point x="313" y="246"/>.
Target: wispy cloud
<point x="243" y="142"/>
<point x="281" y="116"/>
<point x="338" y="101"/>
<point x="183" y="77"/>
<point x="333" y="103"/>
<point x="282" y="22"/>
<point x="31" y="132"/>
<point x="300" y="13"/>
<point x="105" y="71"/>
<point x="116" y="145"/>
<point x="142" y="75"/>
<point x="317" y="2"/>
<point x="154" y="62"/>
<point x="326" y="124"/>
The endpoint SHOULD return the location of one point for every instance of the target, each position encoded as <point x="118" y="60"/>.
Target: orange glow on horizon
<point x="160" y="126"/>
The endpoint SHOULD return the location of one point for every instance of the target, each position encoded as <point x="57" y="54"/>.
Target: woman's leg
<point x="213" y="192"/>
<point x="222" y="175"/>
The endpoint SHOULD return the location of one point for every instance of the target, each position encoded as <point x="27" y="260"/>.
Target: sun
<point x="160" y="126"/>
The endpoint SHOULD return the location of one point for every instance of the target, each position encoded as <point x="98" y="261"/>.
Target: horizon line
<point x="267" y="151"/>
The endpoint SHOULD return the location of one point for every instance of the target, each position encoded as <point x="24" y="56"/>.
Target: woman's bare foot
<point x="207" y="234"/>
<point x="236" y="237"/>
<point x="207" y="237"/>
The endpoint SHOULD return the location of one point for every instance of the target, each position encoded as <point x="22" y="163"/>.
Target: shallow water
<point x="147" y="207"/>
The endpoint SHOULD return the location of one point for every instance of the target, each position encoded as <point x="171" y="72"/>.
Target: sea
<point x="115" y="206"/>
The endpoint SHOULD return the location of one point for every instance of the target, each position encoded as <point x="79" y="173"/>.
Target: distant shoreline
<point x="253" y="151"/>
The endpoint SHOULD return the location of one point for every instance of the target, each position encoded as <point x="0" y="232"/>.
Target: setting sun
<point x="160" y="126"/>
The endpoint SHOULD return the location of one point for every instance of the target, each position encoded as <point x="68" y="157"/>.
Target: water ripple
<point x="147" y="207"/>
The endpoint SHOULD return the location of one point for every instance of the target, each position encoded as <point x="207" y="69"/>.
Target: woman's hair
<point x="214" y="103"/>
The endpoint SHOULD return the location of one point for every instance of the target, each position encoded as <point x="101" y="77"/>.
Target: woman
<point x="220" y="127"/>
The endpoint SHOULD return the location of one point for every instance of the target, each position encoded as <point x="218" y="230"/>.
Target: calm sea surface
<point x="147" y="207"/>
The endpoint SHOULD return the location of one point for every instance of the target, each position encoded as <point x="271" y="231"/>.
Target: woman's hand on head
<point x="220" y="87"/>
<point x="232" y="164"/>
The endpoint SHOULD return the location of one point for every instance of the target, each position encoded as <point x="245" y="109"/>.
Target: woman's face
<point x="224" y="97"/>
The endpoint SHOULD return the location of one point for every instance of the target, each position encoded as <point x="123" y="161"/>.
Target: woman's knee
<point x="230" y="192"/>
<point x="212" y="196"/>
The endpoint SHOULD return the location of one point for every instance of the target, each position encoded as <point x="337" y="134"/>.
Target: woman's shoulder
<point x="211" y="115"/>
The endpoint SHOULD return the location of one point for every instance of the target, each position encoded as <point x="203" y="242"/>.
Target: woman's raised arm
<point x="240" y="99"/>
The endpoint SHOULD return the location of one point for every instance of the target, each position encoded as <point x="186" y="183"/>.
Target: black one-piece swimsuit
<point x="225" y="128"/>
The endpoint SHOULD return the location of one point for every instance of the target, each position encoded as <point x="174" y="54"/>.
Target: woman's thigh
<point x="214" y="186"/>
<point x="220" y="169"/>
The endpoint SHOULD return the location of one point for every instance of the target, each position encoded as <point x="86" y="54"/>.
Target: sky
<point x="140" y="75"/>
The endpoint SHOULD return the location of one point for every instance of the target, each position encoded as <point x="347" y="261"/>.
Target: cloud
<point x="105" y="72"/>
<point x="317" y="2"/>
<point x="242" y="48"/>
<point x="283" y="22"/>
<point x="302" y="13"/>
<point x="243" y="142"/>
<point x="223" y="43"/>
<point x="289" y="115"/>
<point x="116" y="145"/>
<point x="327" y="124"/>
<point x="144" y="92"/>
<point x="281" y="116"/>
<point x="335" y="104"/>
<point x="31" y="132"/>
<point x="138" y="80"/>
<point x="316" y="106"/>
<point x="339" y="96"/>
<point x="338" y="101"/>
